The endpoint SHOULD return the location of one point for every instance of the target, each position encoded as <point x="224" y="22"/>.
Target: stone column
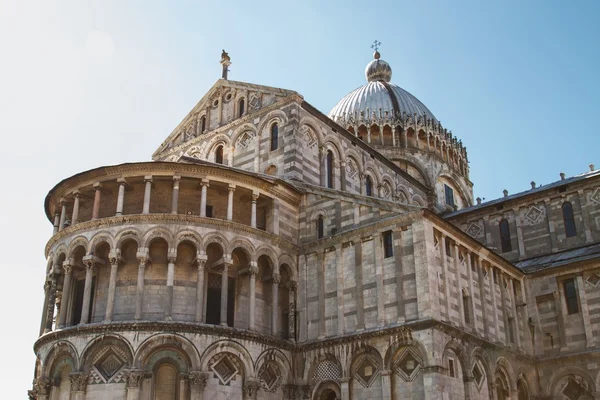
<point x="175" y="198"/>
<point x="62" y="318"/>
<point x="494" y="304"/>
<point x="378" y="252"/>
<point x="75" y="215"/>
<point x="56" y="223"/>
<point x="51" y="302"/>
<point x="205" y="186"/>
<point x="134" y="383"/>
<point x="519" y="232"/>
<point x="274" y="302"/>
<point x="97" y="196"/>
<point x="79" y="382"/>
<point x="231" y="189"/>
<point x="345" y="387"/>
<point x="143" y="259"/>
<point x="292" y="287"/>
<point x="115" y="260"/>
<point x="445" y="269"/>
<point x="170" y="281"/>
<point x="343" y="176"/>
<point x="198" y="381"/>
<point x="323" y="165"/>
<point x="471" y="292"/>
<point x="386" y="385"/>
<point x="253" y="213"/>
<point x="63" y="215"/>
<point x="513" y="301"/>
<point x="479" y="266"/>
<point x="201" y="261"/>
<point x="147" y="194"/>
<point x="505" y="316"/>
<point x="585" y="312"/>
<point x="321" y="286"/>
<point x="121" y="197"/>
<point x="461" y="309"/>
<point x="47" y="286"/>
<point x="90" y="263"/>
<point x="224" y="288"/>
<point x="252" y="271"/>
<point x="339" y="269"/>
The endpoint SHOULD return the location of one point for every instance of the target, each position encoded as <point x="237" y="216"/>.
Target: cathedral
<point x="270" y="251"/>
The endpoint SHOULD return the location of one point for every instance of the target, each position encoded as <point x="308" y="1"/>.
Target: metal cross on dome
<point x="375" y="45"/>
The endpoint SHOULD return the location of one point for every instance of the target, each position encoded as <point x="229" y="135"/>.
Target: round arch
<point x="188" y="235"/>
<point x="102" y="344"/>
<point x="393" y="349"/>
<point x="129" y="234"/>
<point x="244" y="245"/>
<point x="218" y="239"/>
<point x="61" y="350"/>
<point x="158" y="233"/>
<point x="99" y="238"/>
<point x="76" y="242"/>
<point x="167" y="341"/>
<point x="313" y="124"/>
<point x="228" y="346"/>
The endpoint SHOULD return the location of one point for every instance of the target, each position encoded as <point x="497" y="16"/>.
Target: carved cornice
<point x="162" y="326"/>
<point x="175" y="220"/>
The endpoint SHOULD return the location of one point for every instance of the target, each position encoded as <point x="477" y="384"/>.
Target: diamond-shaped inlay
<point x="409" y="365"/>
<point x="595" y="197"/>
<point x="573" y="390"/>
<point x="477" y="375"/>
<point x="270" y="377"/>
<point x="593" y="279"/>
<point x="474" y="230"/>
<point x="109" y="365"/>
<point x="366" y="371"/>
<point x="533" y="214"/>
<point x="225" y="369"/>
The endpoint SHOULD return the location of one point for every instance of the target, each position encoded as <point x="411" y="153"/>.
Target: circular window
<point x="215" y="103"/>
<point x="228" y="97"/>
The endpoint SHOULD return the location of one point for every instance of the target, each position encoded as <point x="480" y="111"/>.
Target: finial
<point x="592" y="167"/>
<point x="375" y="46"/>
<point x="225" y="62"/>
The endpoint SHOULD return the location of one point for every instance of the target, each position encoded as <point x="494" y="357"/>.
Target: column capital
<point x="251" y="387"/>
<point x="231" y="187"/>
<point x="176" y="178"/>
<point x="68" y="266"/>
<point x="91" y="261"/>
<point x="205" y="182"/>
<point x="76" y="193"/>
<point x="143" y="257"/>
<point x="198" y="379"/>
<point x="79" y="381"/>
<point x="255" y="196"/>
<point x="97" y="186"/>
<point x="114" y="256"/>
<point x="122" y="181"/>
<point x="134" y="377"/>
<point x="386" y="372"/>
<point x="276" y="279"/>
<point x="291" y="285"/>
<point x="201" y="260"/>
<point x="227" y="260"/>
<point x="148" y="178"/>
<point x="172" y="255"/>
<point x="41" y="386"/>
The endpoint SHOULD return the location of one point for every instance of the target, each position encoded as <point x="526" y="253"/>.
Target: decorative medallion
<point x="474" y="229"/>
<point x="108" y="366"/>
<point x="245" y="140"/>
<point x="593" y="279"/>
<point x="386" y="191"/>
<point x="478" y="375"/>
<point x="225" y="369"/>
<point x="595" y="197"/>
<point x="254" y="101"/>
<point x="366" y="370"/>
<point x="533" y="214"/>
<point x="310" y="139"/>
<point x="573" y="390"/>
<point x="409" y="364"/>
<point x="351" y="168"/>
<point x="270" y="377"/>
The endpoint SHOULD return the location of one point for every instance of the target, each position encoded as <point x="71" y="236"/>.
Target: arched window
<point x="505" y="236"/>
<point x="274" y="136"/>
<point x="241" y="105"/>
<point x="368" y="186"/>
<point x="165" y="383"/>
<point x="320" y="227"/>
<point x="219" y="155"/>
<point x="567" y="210"/>
<point x="203" y="124"/>
<point x="330" y="169"/>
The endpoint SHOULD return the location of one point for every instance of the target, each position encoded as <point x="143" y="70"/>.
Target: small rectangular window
<point x="571" y="296"/>
<point x="449" y="192"/>
<point x="451" y="370"/>
<point x="388" y="244"/>
<point x="209" y="211"/>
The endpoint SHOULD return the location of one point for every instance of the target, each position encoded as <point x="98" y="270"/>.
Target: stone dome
<point x="379" y="94"/>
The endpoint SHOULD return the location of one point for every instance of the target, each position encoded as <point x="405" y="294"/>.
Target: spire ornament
<point x="225" y="62"/>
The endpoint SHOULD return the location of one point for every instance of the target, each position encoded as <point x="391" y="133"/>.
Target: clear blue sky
<point x="84" y="84"/>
